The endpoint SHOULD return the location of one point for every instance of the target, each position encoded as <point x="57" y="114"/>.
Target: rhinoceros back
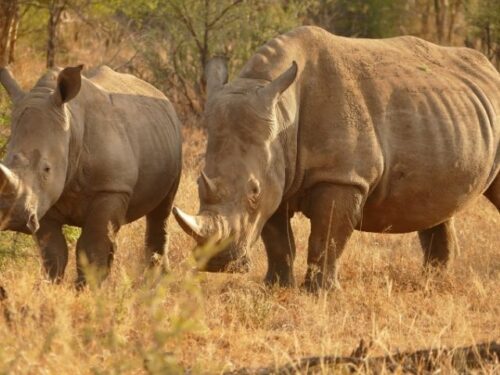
<point x="135" y="134"/>
<point x="413" y="125"/>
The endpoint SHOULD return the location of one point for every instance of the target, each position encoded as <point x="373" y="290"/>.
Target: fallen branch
<point x="475" y="356"/>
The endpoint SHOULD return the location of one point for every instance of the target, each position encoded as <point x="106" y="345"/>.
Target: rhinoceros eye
<point x="45" y="172"/>
<point x="46" y="168"/>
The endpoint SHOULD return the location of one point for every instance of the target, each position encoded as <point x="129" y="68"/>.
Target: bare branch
<point x="223" y="12"/>
<point x="185" y="89"/>
<point x="188" y="23"/>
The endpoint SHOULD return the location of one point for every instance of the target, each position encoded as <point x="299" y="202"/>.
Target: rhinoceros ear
<point x="69" y="82"/>
<point x="275" y="88"/>
<point x="9" y="83"/>
<point x="216" y="74"/>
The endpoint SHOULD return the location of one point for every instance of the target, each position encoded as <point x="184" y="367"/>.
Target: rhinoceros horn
<point x="199" y="227"/>
<point x="210" y="188"/>
<point x="8" y="180"/>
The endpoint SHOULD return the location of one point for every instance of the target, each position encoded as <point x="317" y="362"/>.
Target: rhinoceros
<point x="388" y="136"/>
<point x="96" y="153"/>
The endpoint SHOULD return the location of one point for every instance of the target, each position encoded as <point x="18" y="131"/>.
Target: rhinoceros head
<point x="33" y="172"/>
<point x="243" y="180"/>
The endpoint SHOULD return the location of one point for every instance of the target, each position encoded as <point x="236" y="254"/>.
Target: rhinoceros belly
<point x="440" y="152"/>
<point x="157" y="152"/>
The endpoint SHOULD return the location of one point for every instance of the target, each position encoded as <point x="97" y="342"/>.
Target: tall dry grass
<point x="209" y="323"/>
<point x="142" y="323"/>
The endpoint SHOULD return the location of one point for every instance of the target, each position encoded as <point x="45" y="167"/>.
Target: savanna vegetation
<point x="140" y="322"/>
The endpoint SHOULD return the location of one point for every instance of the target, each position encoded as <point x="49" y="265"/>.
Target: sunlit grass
<point x="140" y="323"/>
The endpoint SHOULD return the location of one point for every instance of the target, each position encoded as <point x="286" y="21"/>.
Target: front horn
<point x="196" y="226"/>
<point x="9" y="182"/>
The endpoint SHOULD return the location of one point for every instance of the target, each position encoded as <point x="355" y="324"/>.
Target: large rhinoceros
<point x="386" y="136"/>
<point x="94" y="152"/>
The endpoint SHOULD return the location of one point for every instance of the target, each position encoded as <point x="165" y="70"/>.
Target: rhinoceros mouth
<point x="234" y="265"/>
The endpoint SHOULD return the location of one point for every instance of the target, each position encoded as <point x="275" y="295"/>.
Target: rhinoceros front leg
<point x="96" y="246"/>
<point x="334" y="212"/>
<point x="280" y="247"/>
<point x="438" y="243"/>
<point x="53" y="248"/>
<point x="156" y="245"/>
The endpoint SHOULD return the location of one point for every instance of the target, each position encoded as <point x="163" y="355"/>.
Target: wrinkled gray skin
<point x="394" y="135"/>
<point x="95" y="153"/>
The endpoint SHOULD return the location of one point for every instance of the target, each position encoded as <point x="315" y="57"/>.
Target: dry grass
<point x="138" y="323"/>
<point x="216" y="322"/>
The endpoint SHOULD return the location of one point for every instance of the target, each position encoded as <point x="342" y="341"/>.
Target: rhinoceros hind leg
<point x="493" y="193"/>
<point x="96" y="246"/>
<point x="334" y="211"/>
<point x="280" y="247"/>
<point x="156" y="243"/>
<point x="53" y="248"/>
<point x="438" y="243"/>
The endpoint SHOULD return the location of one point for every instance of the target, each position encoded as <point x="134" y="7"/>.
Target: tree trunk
<point x="425" y="19"/>
<point x="13" y="38"/>
<point x="439" y="14"/>
<point x="55" y="10"/>
<point x="9" y="19"/>
<point x="454" y="10"/>
<point x="204" y="50"/>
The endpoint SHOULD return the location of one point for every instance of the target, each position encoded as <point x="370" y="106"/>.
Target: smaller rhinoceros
<point x="96" y="153"/>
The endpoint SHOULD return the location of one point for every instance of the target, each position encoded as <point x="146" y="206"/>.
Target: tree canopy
<point x="169" y="42"/>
